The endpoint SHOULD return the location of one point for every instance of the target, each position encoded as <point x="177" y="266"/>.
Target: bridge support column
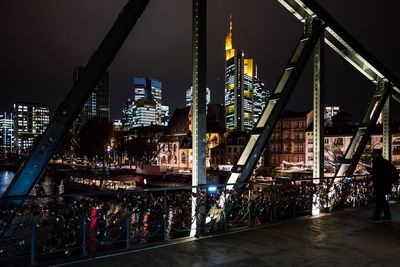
<point x="386" y="131"/>
<point x="318" y="117"/>
<point x="199" y="57"/>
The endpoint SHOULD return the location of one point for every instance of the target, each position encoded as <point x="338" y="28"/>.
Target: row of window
<point x="288" y="124"/>
<point x="286" y="148"/>
<point x="174" y="159"/>
<point x="278" y="160"/>
<point x="287" y="136"/>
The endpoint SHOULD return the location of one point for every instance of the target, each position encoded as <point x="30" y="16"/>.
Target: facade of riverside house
<point x="338" y="135"/>
<point x="287" y="143"/>
<point x="228" y="152"/>
<point x="175" y="146"/>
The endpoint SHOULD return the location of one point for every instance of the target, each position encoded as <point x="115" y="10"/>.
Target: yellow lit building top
<point x="230" y="51"/>
<point x="248" y="66"/>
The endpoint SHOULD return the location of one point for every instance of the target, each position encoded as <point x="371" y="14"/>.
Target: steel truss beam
<point x="386" y="128"/>
<point x="361" y="137"/>
<point x="199" y="73"/>
<point x="318" y="108"/>
<point x="199" y="58"/>
<point x="346" y="46"/>
<point x="69" y="109"/>
<point x="243" y="169"/>
<point x="343" y="43"/>
<point x="354" y="53"/>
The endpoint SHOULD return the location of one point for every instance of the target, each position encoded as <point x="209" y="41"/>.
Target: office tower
<point x="127" y="113"/>
<point x="260" y="97"/>
<point x="144" y="113"/>
<point x="98" y="104"/>
<point x="189" y="94"/>
<point x="150" y="90"/>
<point x="6" y="132"/>
<point x="238" y="87"/>
<point x="164" y="115"/>
<point x="145" y="107"/>
<point x="30" y="121"/>
<point x="117" y="124"/>
<point x="331" y="111"/>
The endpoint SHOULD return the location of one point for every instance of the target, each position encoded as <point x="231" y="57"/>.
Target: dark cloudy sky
<point x="42" y="40"/>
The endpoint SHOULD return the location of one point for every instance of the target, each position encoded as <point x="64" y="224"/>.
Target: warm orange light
<point x="230" y="52"/>
<point x="230" y="109"/>
<point x="248" y="66"/>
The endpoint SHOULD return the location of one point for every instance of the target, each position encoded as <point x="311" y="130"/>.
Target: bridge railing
<point x="50" y="228"/>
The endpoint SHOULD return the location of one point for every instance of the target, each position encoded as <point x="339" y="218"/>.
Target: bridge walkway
<point x="344" y="238"/>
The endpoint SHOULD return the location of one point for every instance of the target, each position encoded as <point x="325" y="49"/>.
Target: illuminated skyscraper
<point x="331" y="111"/>
<point x="145" y="108"/>
<point x="98" y="104"/>
<point x="30" y="121"/>
<point x="6" y="132"/>
<point x="260" y="96"/>
<point x="144" y="113"/>
<point x="189" y="98"/>
<point x="238" y="87"/>
<point x="147" y="88"/>
<point x="127" y="116"/>
<point x="164" y="115"/>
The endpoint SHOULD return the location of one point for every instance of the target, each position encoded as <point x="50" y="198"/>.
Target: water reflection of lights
<point x="5" y="179"/>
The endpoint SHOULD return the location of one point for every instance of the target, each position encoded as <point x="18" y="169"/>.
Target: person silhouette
<point x="381" y="186"/>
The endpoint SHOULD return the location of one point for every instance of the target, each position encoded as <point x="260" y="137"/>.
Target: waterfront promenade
<point x="344" y="238"/>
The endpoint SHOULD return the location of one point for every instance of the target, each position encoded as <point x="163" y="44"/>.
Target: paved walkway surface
<point x="340" y="239"/>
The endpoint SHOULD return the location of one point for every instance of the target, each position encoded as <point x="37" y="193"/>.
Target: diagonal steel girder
<point x="344" y="44"/>
<point x="354" y="53"/>
<point x="243" y="169"/>
<point x="361" y="137"/>
<point x="69" y="109"/>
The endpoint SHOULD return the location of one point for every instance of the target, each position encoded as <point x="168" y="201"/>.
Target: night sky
<point x="42" y="40"/>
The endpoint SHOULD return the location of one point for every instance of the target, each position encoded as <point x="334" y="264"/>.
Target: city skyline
<point x="66" y="35"/>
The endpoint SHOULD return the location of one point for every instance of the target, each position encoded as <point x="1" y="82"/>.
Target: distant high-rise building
<point x="6" y="132"/>
<point x="127" y="113"/>
<point x="260" y="97"/>
<point x="30" y="121"/>
<point x="150" y="90"/>
<point x="189" y="96"/>
<point x="164" y="115"/>
<point x="144" y="113"/>
<point x="238" y="87"/>
<point x="117" y="124"/>
<point x="331" y="111"/>
<point x="98" y="104"/>
<point x="146" y="106"/>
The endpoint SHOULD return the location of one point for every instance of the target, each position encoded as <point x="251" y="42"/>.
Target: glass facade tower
<point x="145" y="107"/>
<point x="189" y="96"/>
<point x="6" y="132"/>
<point x="238" y="87"/>
<point x="30" y="121"/>
<point x="98" y="104"/>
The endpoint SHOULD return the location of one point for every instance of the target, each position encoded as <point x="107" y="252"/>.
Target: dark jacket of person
<point x="379" y="175"/>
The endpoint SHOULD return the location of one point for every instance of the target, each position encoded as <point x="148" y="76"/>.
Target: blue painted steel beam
<point x="69" y="109"/>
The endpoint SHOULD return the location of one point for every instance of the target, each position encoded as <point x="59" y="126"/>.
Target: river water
<point x="5" y="179"/>
<point x="47" y="185"/>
